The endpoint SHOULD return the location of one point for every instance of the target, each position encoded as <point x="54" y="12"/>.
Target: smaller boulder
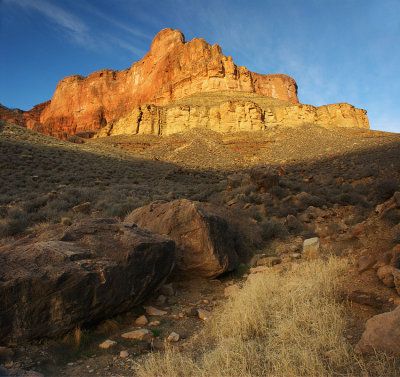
<point x="365" y="263"/>
<point x="311" y="248"/>
<point x="385" y="274"/>
<point x="382" y="333"/>
<point x="264" y="177"/>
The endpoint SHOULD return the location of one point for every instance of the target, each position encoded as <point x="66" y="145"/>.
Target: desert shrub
<point x="268" y="200"/>
<point x="272" y="228"/>
<point x="278" y="324"/>
<point x="361" y="189"/>
<point x="284" y="209"/>
<point x="351" y="198"/>
<point x="385" y="188"/>
<point x="17" y="221"/>
<point x="216" y="198"/>
<point x="247" y="190"/>
<point x="3" y="211"/>
<point x="392" y="216"/>
<point x="254" y="213"/>
<point x="279" y="192"/>
<point x="34" y="204"/>
<point x="367" y="171"/>
<point x="255" y="198"/>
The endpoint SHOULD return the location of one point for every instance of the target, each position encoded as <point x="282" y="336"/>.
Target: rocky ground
<point x="331" y="185"/>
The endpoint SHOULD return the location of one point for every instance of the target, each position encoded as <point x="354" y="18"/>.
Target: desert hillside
<point x="310" y="207"/>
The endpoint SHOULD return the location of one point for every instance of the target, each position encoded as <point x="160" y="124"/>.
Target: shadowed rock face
<point x="171" y="70"/>
<point x="55" y="280"/>
<point x="204" y="243"/>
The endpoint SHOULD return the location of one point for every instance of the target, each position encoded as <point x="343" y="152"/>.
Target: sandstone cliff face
<point x="171" y="70"/>
<point x="247" y="114"/>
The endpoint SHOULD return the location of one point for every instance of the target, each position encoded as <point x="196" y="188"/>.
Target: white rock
<point x="107" y="344"/>
<point x="154" y="323"/>
<point x="311" y="248"/>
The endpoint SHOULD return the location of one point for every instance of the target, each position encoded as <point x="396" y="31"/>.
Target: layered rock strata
<point x="171" y="70"/>
<point x="233" y="115"/>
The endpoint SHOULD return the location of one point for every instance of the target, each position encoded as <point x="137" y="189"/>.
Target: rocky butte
<point x="141" y="96"/>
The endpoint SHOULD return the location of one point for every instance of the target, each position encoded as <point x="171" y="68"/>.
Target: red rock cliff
<point x="171" y="70"/>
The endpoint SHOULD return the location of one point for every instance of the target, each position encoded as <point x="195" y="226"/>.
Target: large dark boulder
<point x="204" y="242"/>
<point x="57" y="279"/>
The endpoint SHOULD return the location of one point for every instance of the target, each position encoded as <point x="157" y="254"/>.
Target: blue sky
<point x="336" y="50"/>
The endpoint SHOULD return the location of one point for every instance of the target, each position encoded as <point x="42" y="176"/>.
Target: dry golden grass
<point x="286" y="324"/>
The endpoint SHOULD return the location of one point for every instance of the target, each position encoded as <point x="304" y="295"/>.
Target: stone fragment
<point x="191" y="312"/>
<point x="204" y="242"/>
<point x="141" y="334"/>
<point x="311" y="248"/>
<point x="365" y="263"/>
<point x="167" y="289"/>
<point x="154" y="323"/>
<point x="382" y="333"/>
<point x="82" y="208"/>
<point x="141" y="321"/>
<point x="255" y="270"/>
<point x="385" y="274"/>
<point x="173" y="337"/>
<point x="60" y="278"/>
<point x="231" y="290"/>
<point x="268" y="261"/>
<point x="107" y="344"/>
<point x="152" y="311"/>
<point x="123" y="354"/>
<point x="203" y="314"/>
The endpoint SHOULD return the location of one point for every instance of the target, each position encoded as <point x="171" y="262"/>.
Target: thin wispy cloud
<point x="113" y="21"/>
<point x="75" y="29"/>
<point x="71" y="24"/>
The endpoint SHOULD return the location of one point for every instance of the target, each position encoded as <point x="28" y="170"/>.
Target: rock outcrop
<point x="171" y="70"/>
<point x="239" y="112"/>
<point x="56" y="280"/>
<point x="138" y="100"/>
<point x="204" y="243"/>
